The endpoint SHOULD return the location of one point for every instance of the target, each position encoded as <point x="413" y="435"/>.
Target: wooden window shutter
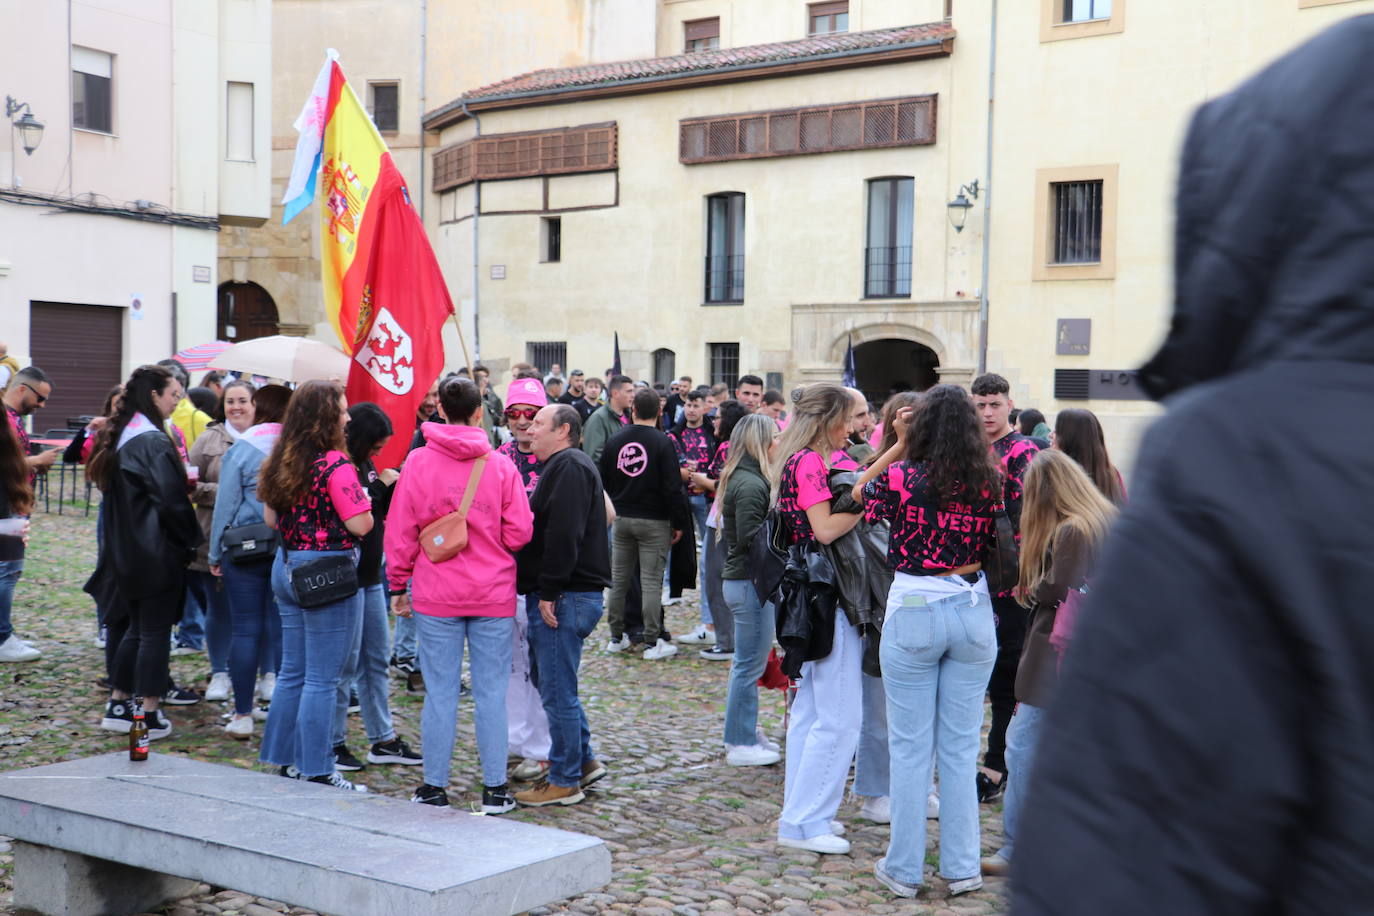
<point x="699" y="29"/>
<point x="568" y="150"/>
<point x="830" y="9"/>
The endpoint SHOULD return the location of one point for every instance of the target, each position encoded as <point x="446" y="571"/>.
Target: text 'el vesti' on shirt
<point x="639" y="470"/>
<point x="569" y="551"/>
<point x="335" y="495"/>
<point x="930" y="535"/>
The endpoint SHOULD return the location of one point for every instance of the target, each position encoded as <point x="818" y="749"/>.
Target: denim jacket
<point x="237" y="501"/>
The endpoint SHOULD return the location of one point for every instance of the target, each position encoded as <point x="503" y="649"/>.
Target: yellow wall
<point x="751" y="22"/>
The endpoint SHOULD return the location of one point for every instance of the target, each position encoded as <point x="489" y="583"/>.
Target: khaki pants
<point x="648" y="539"/>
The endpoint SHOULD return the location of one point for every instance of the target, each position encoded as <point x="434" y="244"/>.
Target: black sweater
<point x="640" y="472"/>
<point x="569" y="550"/>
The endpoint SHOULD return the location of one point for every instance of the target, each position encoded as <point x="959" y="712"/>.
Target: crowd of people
<point x="254" y="523"/>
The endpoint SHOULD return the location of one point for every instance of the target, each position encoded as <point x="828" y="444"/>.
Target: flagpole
<point x="466" y="360"/>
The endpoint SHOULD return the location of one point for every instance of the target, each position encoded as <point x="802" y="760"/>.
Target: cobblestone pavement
<point x="688" y="834"/>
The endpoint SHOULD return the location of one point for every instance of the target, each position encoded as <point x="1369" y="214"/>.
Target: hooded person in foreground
<point x="1210" y="747"/>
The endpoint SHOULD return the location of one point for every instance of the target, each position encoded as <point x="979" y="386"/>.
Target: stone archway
<point x="246" y="312"/>
<point x="890" y="357"/>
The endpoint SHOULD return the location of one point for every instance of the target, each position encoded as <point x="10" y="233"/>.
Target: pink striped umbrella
<point x="201" y="356"/>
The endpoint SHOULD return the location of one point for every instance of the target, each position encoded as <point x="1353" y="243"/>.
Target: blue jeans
<point x="700" y="506"/>
<point x="872" y="764"/>
<point x="712" y="590"/>
<point x="753" y="639"/>
<point x="255" y="645"/>
<point x="1023" y="736"/>
<point x="315" y="645"/>
<point x="557" y="654"/>
<point x="937" y="656"/>
<point x="10" y="571"/>
<point x="403" y="642"/>
<point x="365" y="671"/>
<point x="489" y="641"/>
<point x="219" y="626"/>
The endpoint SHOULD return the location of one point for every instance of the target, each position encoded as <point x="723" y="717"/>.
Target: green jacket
<point x="601" y="425"/>
<point x="743" y="511"/>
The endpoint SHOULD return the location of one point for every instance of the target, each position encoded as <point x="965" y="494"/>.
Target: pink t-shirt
<point x="317" y="522"/>
<point x="801" y="485"/>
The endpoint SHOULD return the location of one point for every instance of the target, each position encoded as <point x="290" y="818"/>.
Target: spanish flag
<point x="384" y="293"/>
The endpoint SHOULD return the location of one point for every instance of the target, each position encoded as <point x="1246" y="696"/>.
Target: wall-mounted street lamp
<point x="30" y="128"/>
<point x="960" y="205"/>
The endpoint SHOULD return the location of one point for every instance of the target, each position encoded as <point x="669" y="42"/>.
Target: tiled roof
<point x="589" y="76"/>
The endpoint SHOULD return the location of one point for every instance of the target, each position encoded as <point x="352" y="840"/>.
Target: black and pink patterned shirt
<point x="317" y="521"/>
<point x="717" y="465"/>
<point x="1015" y="452"/>
<point x="802" y="484"/>
<point x="929" y="536"/>
<point x="693" y="445"/>
<point x="525" y="462"/>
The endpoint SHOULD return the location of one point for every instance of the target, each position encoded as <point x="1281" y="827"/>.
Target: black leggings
<point x="1011" y="636"/>
<point x="140" y="662"/>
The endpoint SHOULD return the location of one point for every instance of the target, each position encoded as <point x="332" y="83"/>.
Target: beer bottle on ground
<point x="138" y="734"/>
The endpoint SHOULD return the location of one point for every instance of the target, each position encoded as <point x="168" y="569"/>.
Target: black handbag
<point x="325" y="580"/>
<point x="768" y="556"/>
<point x="1002" y="563"/>
<point x="249" y="543"/>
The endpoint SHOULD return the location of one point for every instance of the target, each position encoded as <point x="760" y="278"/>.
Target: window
<point x="1076" y="211"/>
<point x="561" y="151"/>
<point x="1060" y="19"/>
<point x="949" y="9"/>
<point x="92" y="96"/>
<point x="542" y="355"/>
<point x="723" y="359"/>
<point x="665" y="366"/>
<point x="701" y="35"/>
<point x="887" y="257"/>
<point x="385" y="105"/>
<point x="551" y="239"/>
<point x="827" y="18"/>
<point x="725" y="248"/>
<point x="1086" y="10"/>
<point x="238" y="122"/>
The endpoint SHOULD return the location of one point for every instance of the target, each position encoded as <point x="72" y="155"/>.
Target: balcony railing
<point x="725" y="278"/>
<point x="887" y="272"/>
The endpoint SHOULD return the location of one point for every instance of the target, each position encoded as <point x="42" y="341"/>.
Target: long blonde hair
<point x="752" y="436"/>
<point x="815" y="409"/>
<point x="1057" y="494"/>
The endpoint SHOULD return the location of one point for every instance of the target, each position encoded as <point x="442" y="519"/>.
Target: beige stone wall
<point x="751" y="22"/>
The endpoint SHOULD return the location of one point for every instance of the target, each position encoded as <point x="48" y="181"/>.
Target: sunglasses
<point x="42" y="399"/>
<point x="521" y="413"/>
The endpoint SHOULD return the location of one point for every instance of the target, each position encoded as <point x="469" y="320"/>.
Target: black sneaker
<point x="344" y="759"/>
<point x="181" y="696"/>
<point x="119" y="716"/>
<point x="989" y="791"/>
<point x="159" y="726"/>
<point x="415" y="683"/>
<point x="354" y="704"/>
<point x="289" y="771"/>
<point x="496" y="800"/>
<point x="394" y="751"/>
<point x="338" y="782"/>
<point x="430" y="795"/>
<point x="402" y="666"/>
<point x="463" y="689"/>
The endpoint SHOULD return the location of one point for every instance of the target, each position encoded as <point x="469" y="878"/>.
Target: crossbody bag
<point x="446" y="536"/>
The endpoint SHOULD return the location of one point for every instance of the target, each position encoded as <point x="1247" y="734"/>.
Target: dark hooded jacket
<point x="1211" y="745"/>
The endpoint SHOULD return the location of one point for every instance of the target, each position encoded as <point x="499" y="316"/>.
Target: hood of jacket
<point x="1274" y="243"/>
<point x="461" y="443"/>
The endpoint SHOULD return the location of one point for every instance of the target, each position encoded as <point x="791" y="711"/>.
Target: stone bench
<point x="106" y="835"/>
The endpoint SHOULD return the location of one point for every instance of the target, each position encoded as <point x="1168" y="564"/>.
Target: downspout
<point x="476" y="212"/>
<point x="987" y="202"/>
<point x="424" y="52"/>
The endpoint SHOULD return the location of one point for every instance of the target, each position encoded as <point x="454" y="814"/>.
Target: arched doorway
<point x="888" y="365"/>
<point x="246" y="311"/>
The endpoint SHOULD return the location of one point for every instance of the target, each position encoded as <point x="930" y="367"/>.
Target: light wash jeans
<point x="937" y="656"/>
<point x="1023" y="736"/>
<point x="213" y="628"/>
<point x="557" y="655"/>
<point x="822" y="734"/>
<point x="872" y="765"/>
<point x="315" y="645"/>
<point x="489" y="641"/>
<point x="753" y="639"/>
<point x="10" y="571"/>
<point x="700" y="506"/>
<point x="366" y="671"/>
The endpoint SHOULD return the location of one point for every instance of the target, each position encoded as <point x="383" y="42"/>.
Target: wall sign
<point x="498" y="271"/>
<point x="1073" y="337"/>
<point x="200" y="273"/>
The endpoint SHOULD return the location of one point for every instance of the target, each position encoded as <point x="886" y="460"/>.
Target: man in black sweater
<point x="640" y="472"/>
<point x="562" y="571"/>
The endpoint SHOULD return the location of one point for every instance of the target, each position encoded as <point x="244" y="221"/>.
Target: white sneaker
<point x="530" y="770"/>
<point x="267" y="684"/>
<point x="877" y="808"/>
<point x="837" y="828"/>
<point x="750" y="755"/>
<point x="964" y="885"/>
<point x="660" y="649"/>
<point x="618" y="645"/>
<point x="219" y="686"/>
<point x="826" y="843"/>
<point x="932" y="807"/>
<point x="15" y="649"/>
<point x="241" y="729"/>
<point x="764" y="741"/>
<point x="670" y="601"/>
<point x="699" y="637"/>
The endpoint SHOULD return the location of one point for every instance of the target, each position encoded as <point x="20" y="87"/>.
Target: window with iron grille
<point x="1077" y="230"/>
<point x="701" y="35"/>
<point x="551" y="239"/>
<point x="725" y="248"/>
<point x="723" y="361"/>
<point x="543" y="354"/>
<point x="92" y="90"/>
<point x="827" y="18"/>
<point x="882" y="123"/>
<point x="1086" y="10"/>
<point x="665" y="366"/>
<point x="564" y="151"/>
<point x="887" y="256"/>
<point x="385" y="105"/>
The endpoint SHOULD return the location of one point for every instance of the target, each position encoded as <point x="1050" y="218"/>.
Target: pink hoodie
<point x="480" y="581"/>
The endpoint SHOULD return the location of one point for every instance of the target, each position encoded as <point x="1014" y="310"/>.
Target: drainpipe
<point x="476" y="211"/>
<point x="987" y="202"/>
<point x="424" y="53"/>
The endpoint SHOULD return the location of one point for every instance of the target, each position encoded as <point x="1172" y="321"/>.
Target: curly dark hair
<point x="310" y="428"/>
<point x="949" y="439"/>
<point x="730" y="413"/>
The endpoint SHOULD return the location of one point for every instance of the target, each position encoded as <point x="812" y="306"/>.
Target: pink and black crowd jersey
<point x="525" y="462"/>
<point x="1015" y="452"/>
<point x="802" y="484"/>
<point x="693" y="445"/>
<point x="930" y="536"/>
<point x="317" y="522"/>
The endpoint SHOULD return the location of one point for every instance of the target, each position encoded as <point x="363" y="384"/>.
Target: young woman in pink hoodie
<point x="469" y="597"/>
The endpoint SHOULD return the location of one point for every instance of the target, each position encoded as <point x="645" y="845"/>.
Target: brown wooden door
<point x="81" y="348"/>
<point x="246" y="312"/>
